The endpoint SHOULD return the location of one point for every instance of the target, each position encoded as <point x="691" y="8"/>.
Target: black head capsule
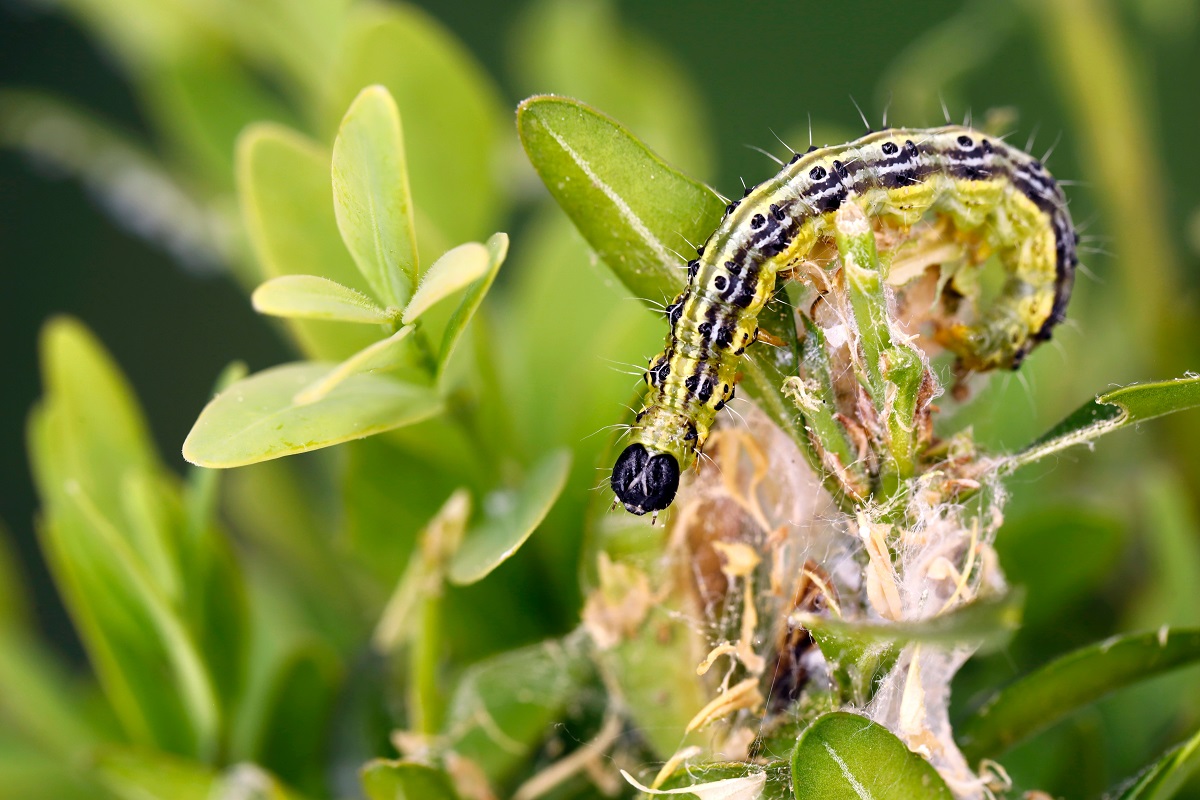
<point x="645" y="481"/>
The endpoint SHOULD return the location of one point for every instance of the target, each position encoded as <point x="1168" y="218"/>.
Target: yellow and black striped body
<point x="978" y="182"/>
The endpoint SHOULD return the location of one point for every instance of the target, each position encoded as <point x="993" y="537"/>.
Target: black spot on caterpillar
<point x="976" y="182"/>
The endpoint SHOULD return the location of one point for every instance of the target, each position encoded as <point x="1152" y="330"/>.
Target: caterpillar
<point x="979" y="182"/>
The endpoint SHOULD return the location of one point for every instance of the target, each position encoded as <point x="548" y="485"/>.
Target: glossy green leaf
<point x="383" y="355"/>
<point x="1112" y="411"/>
<point x="634" y="210"/>
<point x="146" y="775"/>
<point x="310" y="297"/>
<point x="455" y="270"/>
<point x="500" y="536"/>
<point x="259" y="419"/>
<point x="451" y="110"/>
<point x="497" y="247"/>
<point x="1163" y="778"/>
<point x="502" y="706"/>
<point x="405" y="780"/>
<point x="844" y="756"/>
<point x="87" y="443"/>
<point x="1067" y="684"/>
<point x="988" y="623"/>
<point x="292" y="738"/>
<point x="287" y="210"/>
<point x="370" y="195"/>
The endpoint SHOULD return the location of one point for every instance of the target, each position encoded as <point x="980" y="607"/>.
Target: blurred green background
<point x="1106" y="541"/>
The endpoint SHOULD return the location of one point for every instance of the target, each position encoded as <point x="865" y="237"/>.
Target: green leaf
<point x="1110" y="412"/>
<point x="502" y="706"/>
<point x="383" y="355"/>
<point x="1069" y="683"/>
<point x="283" y="188"/>
<point x="258" y="418"/>
<point x="405" y="780"/>
<point x="310" y="297"/>
<point x="1163" y="778"/>
<point x="497" y="247"/>
<point x="145" y="775"/>
<point x="989" y="623"/>
<point x="451" y="110"/>
<point x="633" y="209"/>
<point x="292" y="739"/>
<point x="494" y="542"/>
<point x="455" y="270"/>
<point x="720" y="781"/>
<point x="370" y="195"/>
<point x="843" y="756"/>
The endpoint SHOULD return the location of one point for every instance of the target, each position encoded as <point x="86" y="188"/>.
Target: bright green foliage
<point x="498" y="537"/>
<point x="847" y="757"/>
<point x="400" y="780"/>
<point x="310" y="297"/>
<point x="1167" y="775"/>
<point x="1071" y="682"/>
<point x="370" y="196"/>
<point x="381" y="599"/>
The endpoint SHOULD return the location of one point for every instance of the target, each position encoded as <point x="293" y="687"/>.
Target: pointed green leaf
<point x="990" y="623"/>
<point x="287" y="209"/>
<point x="456" y="269"/>
<point x="497" y="247"/>
<point x="405" y="780"/>
<point x="844" y="756"/>
<point x="292" y="737"/>
<point x="634" y="210"/>
<point x="145" y="775"/>
<point x="1163" y="778"/>
<point x="451" y="110"/>
<point x="370" y="195"/>
<point x="383" y="355"/>
<point x="499" y="537"/>
<point x="502" y="706"/>
<point x="1067" y="684"/>
<point x="310" y="297"/>
<point x="258" y="419"/>
<point x="1112" y="411"/>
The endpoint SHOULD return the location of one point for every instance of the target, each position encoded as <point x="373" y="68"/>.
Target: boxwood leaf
<point x="283" y="190"/>
<point x="371" y="198"/>
<point x="452" y="112"/>
<point x="405" y="780"/>
<point x="1071" y="682"/>
<point x="502" y="705"/>
<point x="844" y="756"/>
<point x="1112" y="411"/>
<point x="634" y="210"/>
<point x="497" y="247"/>
<point x="499" y="537"/>
<point x="1166" y="775"/>
<point x="383" y="355"/>
<point x="258" y="418"/>
<point x="456" y="269"/>
<point x="313" y="297"/>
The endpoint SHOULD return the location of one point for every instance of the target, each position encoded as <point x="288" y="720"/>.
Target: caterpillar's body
<point x="978" y="182"/>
